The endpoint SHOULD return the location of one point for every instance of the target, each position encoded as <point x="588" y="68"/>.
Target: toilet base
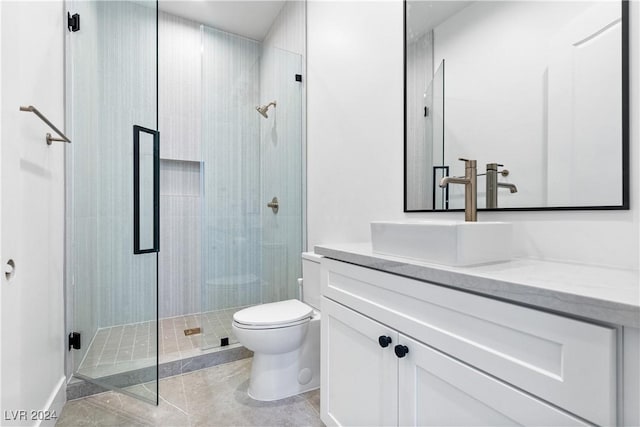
<point x="277" y="376"/>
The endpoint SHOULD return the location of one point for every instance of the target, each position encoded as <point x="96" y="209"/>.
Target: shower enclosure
<point x="169" y="178"/>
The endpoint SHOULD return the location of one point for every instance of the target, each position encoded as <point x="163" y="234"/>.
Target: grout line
<point x="215" y="324"/>
<point x="186" y="400"/>
<point x="103" y="347"/>
<point x="119" y="345"/>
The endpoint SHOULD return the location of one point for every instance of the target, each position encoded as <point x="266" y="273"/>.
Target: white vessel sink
<point x="453" y="243"/>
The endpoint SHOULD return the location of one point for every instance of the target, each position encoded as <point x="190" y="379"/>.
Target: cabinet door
<point x="437" y="390"/>
<point x="359" y="376"/>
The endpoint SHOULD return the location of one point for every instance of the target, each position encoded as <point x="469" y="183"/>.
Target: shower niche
<point x="229" y="112"/>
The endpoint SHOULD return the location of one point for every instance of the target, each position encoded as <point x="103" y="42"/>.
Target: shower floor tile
<point x="125" y="348"/>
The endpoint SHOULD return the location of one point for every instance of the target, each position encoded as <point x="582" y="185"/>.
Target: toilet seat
<point x="279" y="314"/>
<point x="261" y="327"/>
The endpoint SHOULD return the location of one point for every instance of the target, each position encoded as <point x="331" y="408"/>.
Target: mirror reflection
<point x="531" y="90"/>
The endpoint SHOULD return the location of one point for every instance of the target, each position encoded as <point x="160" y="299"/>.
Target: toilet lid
<point x="274" y="313"/>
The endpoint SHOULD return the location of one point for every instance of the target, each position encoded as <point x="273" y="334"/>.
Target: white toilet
<point x="285" y="339"/>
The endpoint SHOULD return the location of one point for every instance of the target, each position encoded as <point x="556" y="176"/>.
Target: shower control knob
<point x="401" y="350"/>
<point x="384" y="341"/>
<point x="274" y="205"/>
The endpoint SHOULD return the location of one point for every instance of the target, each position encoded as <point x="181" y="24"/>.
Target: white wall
<point x="354" y="118"/>
<point x="32" y="306"/>
<point x="355" y="143"/>
<point x="1" y="206"/>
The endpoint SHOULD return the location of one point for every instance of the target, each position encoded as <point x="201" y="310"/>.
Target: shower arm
<point x="49" y="138"/>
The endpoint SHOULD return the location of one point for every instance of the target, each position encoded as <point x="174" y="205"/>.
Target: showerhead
<point x="264" y="108"/>
<point x="263" y="111"/>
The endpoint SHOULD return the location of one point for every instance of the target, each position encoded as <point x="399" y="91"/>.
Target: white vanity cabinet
<point x="471" y="360"/>
<point x="365" y="384"/>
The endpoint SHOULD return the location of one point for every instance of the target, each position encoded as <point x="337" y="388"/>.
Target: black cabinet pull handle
<point x="384" y="340"/>
<point x="401" y="350"/>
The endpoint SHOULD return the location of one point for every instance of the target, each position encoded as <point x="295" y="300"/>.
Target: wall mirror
<point x="538" y="88"/>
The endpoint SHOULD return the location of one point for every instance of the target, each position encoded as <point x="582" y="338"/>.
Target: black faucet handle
<point x="468" y="163"/>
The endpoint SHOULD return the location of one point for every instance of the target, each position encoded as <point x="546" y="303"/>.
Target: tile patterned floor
<point x="209" y="397"/>
<point x="124" y="348"/>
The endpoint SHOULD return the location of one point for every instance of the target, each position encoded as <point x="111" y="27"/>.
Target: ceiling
<point x="423" y="16"/>
<point x="250" y="19"/>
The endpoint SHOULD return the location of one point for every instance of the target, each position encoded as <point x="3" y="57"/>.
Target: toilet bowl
<point x="285" y="339"/>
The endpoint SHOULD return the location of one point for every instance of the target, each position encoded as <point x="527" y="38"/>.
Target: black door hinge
<point x="298" y="77"/>
<point x="74" y="341"/>
<point x="73" y="22"/>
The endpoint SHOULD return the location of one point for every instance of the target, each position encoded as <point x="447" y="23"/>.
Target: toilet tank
<point x="311" y="279"/>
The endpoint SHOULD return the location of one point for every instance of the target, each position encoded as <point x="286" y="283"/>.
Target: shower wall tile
<point x="180" y="87"/>
<point x="180" y="112"/>
<point x="228" y="138"/>
<point x="179" y="178"/>
<point x="231" y="170"/>
<point x="210" y="83"/>
<point x="179" y="259"/>
<point x="113" y="88"/>
<point x="127" y="80"/>
<point x="276" y="273"/>
<point x="251" y="255"/>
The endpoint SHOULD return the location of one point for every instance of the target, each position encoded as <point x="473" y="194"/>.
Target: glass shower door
<point x="281" y="152"/>
<point x="251" y="252"/>
<point x="113" y="194"/>
<point x="231" y="203"/>
<point x="435" y="139"/>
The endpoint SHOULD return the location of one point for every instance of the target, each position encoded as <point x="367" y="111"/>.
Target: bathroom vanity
<point x="522" y="342"/>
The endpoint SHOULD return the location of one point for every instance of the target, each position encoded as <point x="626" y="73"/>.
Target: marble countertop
<point x="603" y="294"/>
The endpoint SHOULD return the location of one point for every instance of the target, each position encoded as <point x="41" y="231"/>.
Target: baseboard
<point x="53" y="407"/>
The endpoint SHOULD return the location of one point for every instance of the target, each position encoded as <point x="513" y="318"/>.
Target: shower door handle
<point x="146" y="190"/>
